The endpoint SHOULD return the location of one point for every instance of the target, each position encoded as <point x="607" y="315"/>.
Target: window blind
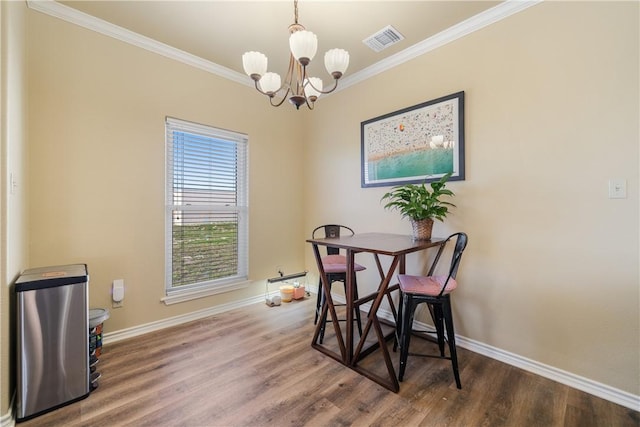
<point x="207" y="206"/>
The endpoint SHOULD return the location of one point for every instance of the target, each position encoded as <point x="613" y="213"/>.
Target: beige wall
<point x="98" y="108"/>
<point x="13" y="206"/>
<point x="551" y="271"/>
<point x="552" y="115"/>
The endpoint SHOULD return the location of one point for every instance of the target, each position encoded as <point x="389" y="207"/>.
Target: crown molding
<point x="475" y="23"/>
<point x="74" y="16"/>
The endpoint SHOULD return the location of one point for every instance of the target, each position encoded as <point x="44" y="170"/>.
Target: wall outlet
<point x="116" y="304"/>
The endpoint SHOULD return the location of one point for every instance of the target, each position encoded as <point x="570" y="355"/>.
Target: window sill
<point x="183" y="296"/>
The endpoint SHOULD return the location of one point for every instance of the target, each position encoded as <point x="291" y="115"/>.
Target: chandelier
<point x="298" y="87"/>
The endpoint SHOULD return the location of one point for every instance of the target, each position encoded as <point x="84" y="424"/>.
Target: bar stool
<point x="335" y="267"/>
<point x="435" y="291"/>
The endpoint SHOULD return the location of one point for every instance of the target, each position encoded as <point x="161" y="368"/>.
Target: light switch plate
<point x="618" y="188"/>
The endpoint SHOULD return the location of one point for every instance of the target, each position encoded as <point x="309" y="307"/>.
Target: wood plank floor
<point x="254" y="367"/>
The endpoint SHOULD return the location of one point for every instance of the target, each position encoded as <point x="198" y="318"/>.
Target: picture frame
<point x="414" y="145"/>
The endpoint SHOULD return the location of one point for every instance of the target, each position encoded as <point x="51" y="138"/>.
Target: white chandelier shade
<point x="297" y="86"/>
<point x="336" y="60"/>
<point x="254" y="63"/>
<point x="303" y="45"/>
<point x="313" y="87"/>
<point x="270" y="82"/>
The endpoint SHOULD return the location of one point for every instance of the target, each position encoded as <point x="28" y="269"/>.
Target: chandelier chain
<point x="295" y="11"/>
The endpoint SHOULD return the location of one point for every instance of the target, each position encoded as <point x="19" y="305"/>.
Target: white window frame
<point x="240" y="208"/>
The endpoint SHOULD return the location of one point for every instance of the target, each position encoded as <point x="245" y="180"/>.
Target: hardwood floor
<point x="254" y="367"/>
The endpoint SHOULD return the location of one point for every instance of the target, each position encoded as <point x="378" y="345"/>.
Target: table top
<point x="380" y="243"/>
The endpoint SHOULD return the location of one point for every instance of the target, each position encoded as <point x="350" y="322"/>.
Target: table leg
<point x="372" y="320"/>
<point x="349" y="304"/>
<point x="328" y="308"/>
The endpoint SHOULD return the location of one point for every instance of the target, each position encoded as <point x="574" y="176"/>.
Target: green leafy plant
<point x="418" y="202"/>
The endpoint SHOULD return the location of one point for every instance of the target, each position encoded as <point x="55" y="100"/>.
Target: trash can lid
<point x="50" y="277"/>
<point x="97" y="316"/>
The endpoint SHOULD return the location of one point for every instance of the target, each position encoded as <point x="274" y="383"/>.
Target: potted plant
<point x="420" y="204"/>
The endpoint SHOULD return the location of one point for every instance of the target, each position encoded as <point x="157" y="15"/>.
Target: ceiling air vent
<point x="383" y="38"/>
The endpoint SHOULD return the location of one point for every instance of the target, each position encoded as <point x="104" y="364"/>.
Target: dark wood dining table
<point x="396" y="247"/>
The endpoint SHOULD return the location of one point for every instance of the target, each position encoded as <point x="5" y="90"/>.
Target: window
<point x="206" y="208"/>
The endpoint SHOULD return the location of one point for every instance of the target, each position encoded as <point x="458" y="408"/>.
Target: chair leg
<point x="396" y="339"/>
<point x="405" y="333"/>
<point x="323" y="320"/>
<point x="438" y="322"/>
<point x="357" y="309"/>
<point x="322" y="301"/>
<point x="448" y="320"/>
<point x="318" y="302"/>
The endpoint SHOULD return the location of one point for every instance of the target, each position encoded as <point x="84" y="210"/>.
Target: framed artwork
<point x="416" y="144"/>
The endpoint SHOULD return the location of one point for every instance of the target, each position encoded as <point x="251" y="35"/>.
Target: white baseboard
<point x="8" y="419"/>
<point x="111" y="337"/>
<point x="578" y="382"/>
<point x="603" y="391"/>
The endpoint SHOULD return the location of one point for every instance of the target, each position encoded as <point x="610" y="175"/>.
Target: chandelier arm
<point x="282" y="86"/>
<point x="258" y="88"/>
<point x="335" y="86"/>
<point x="273" y="94"/>
<point x="293" y="75"/>
<point x="279" y="103"/>
<point x="309" y="105"/>
<point x="301" y="71"/>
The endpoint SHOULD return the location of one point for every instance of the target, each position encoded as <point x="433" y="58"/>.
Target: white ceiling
<point x="221" y="31"/>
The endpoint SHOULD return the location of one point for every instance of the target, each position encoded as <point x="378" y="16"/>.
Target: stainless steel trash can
<point x="52" y="341"/>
